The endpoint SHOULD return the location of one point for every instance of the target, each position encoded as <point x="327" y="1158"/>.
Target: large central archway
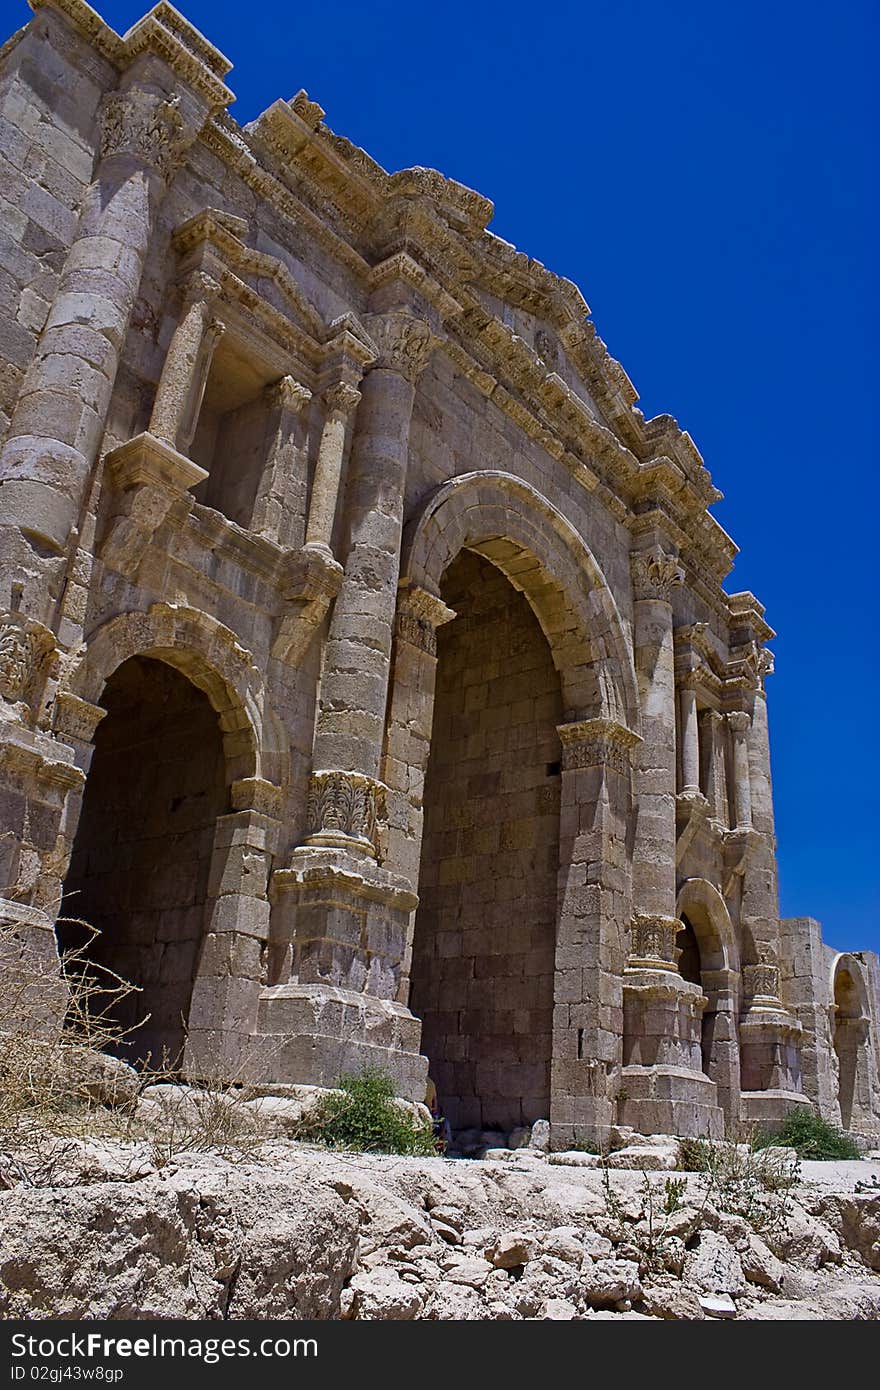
<point x="139" y="871"/>
<point x="483" y="951"/>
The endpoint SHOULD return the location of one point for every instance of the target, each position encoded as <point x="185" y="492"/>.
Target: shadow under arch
<point x="209" y="655"/>
<point x="507" y="521"/>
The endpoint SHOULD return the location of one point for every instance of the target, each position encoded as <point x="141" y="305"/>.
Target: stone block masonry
<point x="367" y="676"/>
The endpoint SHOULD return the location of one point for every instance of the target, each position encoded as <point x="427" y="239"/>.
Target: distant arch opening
<point x="851" y="1030"/>
<point x="139" y="870"/>
<point x="483" y="951"/>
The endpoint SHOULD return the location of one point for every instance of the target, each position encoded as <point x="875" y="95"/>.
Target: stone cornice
<point x="163" y="31"/>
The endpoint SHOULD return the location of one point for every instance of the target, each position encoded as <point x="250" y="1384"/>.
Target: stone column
<point x="655" y="572"/>
<point x="280" y="501"/>
<point x="739" y="724"/>
<point x="410" y="717"/>
<point x="187" y="363"/>
<point x="690" y="741"/>
<point x="346" y="918"/>
<point x="713" y="743"/>
<point x="770" y="1037"/>
<point x="340" y="401"/>
<point x="594" y="910"/>
<point x="58" y="421"/>
<point x="354" y="690"/>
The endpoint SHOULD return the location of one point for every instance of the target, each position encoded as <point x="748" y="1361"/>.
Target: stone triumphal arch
<point x="368" y="681"/>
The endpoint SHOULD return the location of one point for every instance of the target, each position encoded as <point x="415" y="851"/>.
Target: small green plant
<point x="812" y="1137"/>
<point x="364" y="1115"/>
<point x="694" y="1155"/>
<point x="674" y="1190"/>
<point x="586" y="1146"/>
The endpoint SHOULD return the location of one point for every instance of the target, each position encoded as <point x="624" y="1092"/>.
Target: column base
<point x="669" y="1100"/>
<point x="310" y="1034"/>
<point x="770" y="1043"/>
<point x="30" y="970"/>
<point x="769" y="1108"/>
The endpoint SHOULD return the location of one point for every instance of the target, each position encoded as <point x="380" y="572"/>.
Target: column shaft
<point x="690" y="740"/>
<point x="341" y="400"/>
<point x="59" y="418"/>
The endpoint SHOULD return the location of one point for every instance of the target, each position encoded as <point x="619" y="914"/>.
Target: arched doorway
<point x="140" y="866"/>
<point x="483" y="950"/>
<point x="708" y="958"/>
<point x="851" y="1030"/>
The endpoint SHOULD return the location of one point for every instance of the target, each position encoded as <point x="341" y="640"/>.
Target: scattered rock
<point x="650" y="1158"/>
<point x="558" y="1310"/>
<point x="714" y="1267"/>
<point x="540" y="1136"/>
<point x="719" y="1305"/>
<point x="574" y="1158"/>
<point x="380" y="1294"/>
<point x="510" y="1250"/>
<point x="519" y="1138"/>
<point x="607" y="1282"/>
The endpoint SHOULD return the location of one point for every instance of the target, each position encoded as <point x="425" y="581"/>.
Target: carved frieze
<point x="419" y="614"/>
<point x="597" y="743"/>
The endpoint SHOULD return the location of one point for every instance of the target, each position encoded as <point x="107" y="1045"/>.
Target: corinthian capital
<point x="739" y="721"/>
<point x="341" y="399"/>
<point x="147" y="126"/>
<point x="404" y="342"/>
<point x="287" y="394"/>
<point x="655" y="572"/>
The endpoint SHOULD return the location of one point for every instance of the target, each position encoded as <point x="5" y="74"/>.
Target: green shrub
<point x="811" y="1136"/>
<point x="362" y="1115"/>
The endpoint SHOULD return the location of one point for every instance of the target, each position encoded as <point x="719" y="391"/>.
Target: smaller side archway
<point x="167" y="713"/>
<point x="851" y="1037"/>
<point x="710" y="958"/>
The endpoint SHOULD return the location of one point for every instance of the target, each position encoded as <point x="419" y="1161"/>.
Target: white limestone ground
<point x="101" y="1228"/>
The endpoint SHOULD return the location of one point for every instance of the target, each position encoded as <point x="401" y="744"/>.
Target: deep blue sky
<point x="704" y="174"/>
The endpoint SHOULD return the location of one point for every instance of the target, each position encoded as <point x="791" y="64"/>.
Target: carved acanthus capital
<point x="287" y="394"/>
<point x="146" y="126"/>
<point x="341" y="399"/>
<point x="345" y="806"/>
<point x="652" y="941"/>
<point x="761" y="977"/>
<point x="597" y="743"/>
<point x="739" y="722"/>
<point x="403" y="341"/>
<point x="655" y="573"/>
<point x="419" y="614"/>
<point x="27" y="653"/>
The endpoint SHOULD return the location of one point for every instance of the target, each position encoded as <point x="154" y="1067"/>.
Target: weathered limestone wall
<point x="485" y="931"/>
